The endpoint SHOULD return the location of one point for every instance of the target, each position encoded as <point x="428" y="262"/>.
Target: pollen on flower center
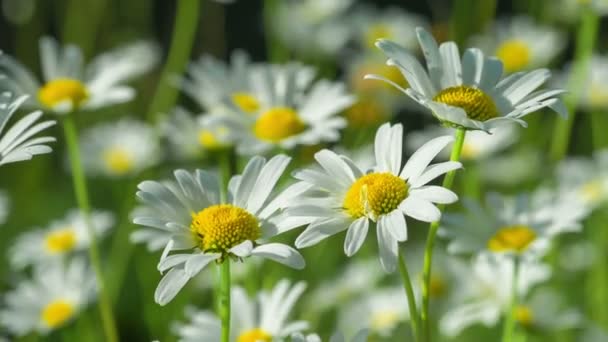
<point x="117" y="160"/>
<point x="523" y="315"/>
<point x="63" y="89"/>
<point x="376" y="194"/>
<point x="246" y="102"/>
<point x="477" y="104"/>
<point x="57" y="312"/>
<point x="60" y="240"/>
<point x="512" y="238"/>
<point x="254" y="335"/>
<point x="514" y="54"/>
<point x="223" y="226"/>
<point x="277" y="124"/>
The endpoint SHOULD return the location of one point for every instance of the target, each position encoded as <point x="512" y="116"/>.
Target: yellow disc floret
<point x="254" y="335"/>
<point x="63" y="89"/>
<point x="57" y="312"/>
<point x="117" y="160"/>
<point x="514" y="238"/>
<point x="514" y="54"/>
<point x="60" y="240"/>
<point x="376" y="194"/>
<point x="383" y="320"/>
<point x="277" y="124"/>
<point x="365" y="112"/>
<point x="477" y="104"/>
<point x="246" y="102"/>
<point x="223" y="226"/>
<point x="523" y="315"/>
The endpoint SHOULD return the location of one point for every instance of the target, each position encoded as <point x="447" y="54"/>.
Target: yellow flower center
<point x="246" y="102"/>
<point x="477" y="104"/>
<point x="512" y="238"/>
<point x="384" y="320"/>
<point x="223" y="226"/>
<point x="514" y="54"/>
<point x="255" y="335"/>
<point x="60" y="240"/>
<point x="277" y="124"/>
<point x="365" y="112"/>
<point x="598" y="95"/>
<point x="523" y="315"/>
<point x="438" y="287"/>
<point x="57" y="312"/>
<point x="375" y="32"/>
<point x="376" y="194"/>
<point x="117" y="160"/>
<point x="63" y="89"/>
<point x="592" y="191"/>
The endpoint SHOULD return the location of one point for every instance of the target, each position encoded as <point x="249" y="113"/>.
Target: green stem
<point x="82" y="197"/>
<point x="508" y="329"/>
<point x="227" y="165"/>
<point x="586" y="37"/>
<point x="598" y="130"/>
<point x="224" y="298"/>
<point x="448" y="181"/>
<point x="275" y="51"/>
<point x="411" y="299"/>
<point x="186" y="22"/>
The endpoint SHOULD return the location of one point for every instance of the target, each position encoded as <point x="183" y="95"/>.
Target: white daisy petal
<point x="320" y="230"/>
<point x="420" y="209"/>
<point x="388" y="248"/>
<point x="355" y="236"/>
<point x="243" y="249"/>
<point x="280" y="253"/>
<point x="395" y="223"/>
<point x="170" y="285"/>
<point x="423" y="156"/>
<point x="435" y="194"/>
<point x="197" y="262"/>
<point x="435" y="171"/>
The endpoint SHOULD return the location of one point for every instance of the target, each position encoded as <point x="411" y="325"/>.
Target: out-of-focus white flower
<point x="521" y="44"/>
<point x="264" y="318"/>
<point x="205" y="229"/>
<point x="67" y="85"/>
<point x="570" y="10"/>
<point x="468" y="92"/>
<point x="477" y="144"/>
<point x="545" y="311"/>
<point x="511" y="169"/>
<point x="118" y="149"/>
<point x="379" y="312"/>
<point x="343" y="197"/>
<point x="521" y="225"/>
<point x="4" y="206"/>
<point x="485" y="294"/>
<point x="289" y="116"/>
<point x="55" y="295"/>
<point x="585" y="178"/>
<point x="16" y="143"/>
<point x="593" y="92"/>
<point x="61" y="238"/>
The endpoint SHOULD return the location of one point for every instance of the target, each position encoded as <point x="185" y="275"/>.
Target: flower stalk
<point x="224" y="299"/>
<point x="508" y="329"/>
<point x="411" y="299"/>
<point x="448" y="181"/>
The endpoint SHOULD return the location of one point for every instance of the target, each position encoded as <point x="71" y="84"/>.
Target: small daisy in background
<point x="260" y="319"/>
<point x="205" y="229"/>
<point x="594" y="92"/>
<point x="68" y="85"/>
<point x="520" y="43"/>
<point x="17" y="142"/>
<point x="477" y="144"/>
<point x="485" y="294"/>
<point x="545" y="311"/>
<point x="585" y="178"/>
<point x="62" y="238"/>
<point x="117" y="149"/>
<point x="289" y="117"/>
<point x="344" y="197"/>
<point x="379" y="312"/>
<point x="523" y="225"/>
<point x="54" y="296"/>
<point x="4" y="206"/>
<point x="468" y="92"/>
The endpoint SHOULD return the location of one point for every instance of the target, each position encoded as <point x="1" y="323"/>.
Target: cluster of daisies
<point x="291" y="152"/>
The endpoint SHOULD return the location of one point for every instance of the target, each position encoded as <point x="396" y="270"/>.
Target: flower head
<point x="189" y="217"/>
<point x="344" y="197"/>
<point x="469" y="93"/>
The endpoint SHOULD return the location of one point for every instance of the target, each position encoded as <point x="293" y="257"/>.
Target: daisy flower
<point x="205" y="229"/>
<point x="594" y="88"/>
<point x="16" y="143"/>
<point x="68" y="85"/>
<point x="4" y="206"/>
<point x="344" y="197"/>
<point x="521" y="44"/>
<point x="117" y="149"/>
<point x="585" y="178"/>
<point x="190" y="136"/>
<point x="54" y="296"/>
<point x="544" y="310"/>
<point x="486" y="295"/>
<point x="264" y="318"/>
<point x="468" y="93"/>
<point x="62" y="238"/>
<point x="477" y="144"/>
<point x="521" y="225"/>
<point x="379" y="312"/>
<point x="290" y="117"/>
